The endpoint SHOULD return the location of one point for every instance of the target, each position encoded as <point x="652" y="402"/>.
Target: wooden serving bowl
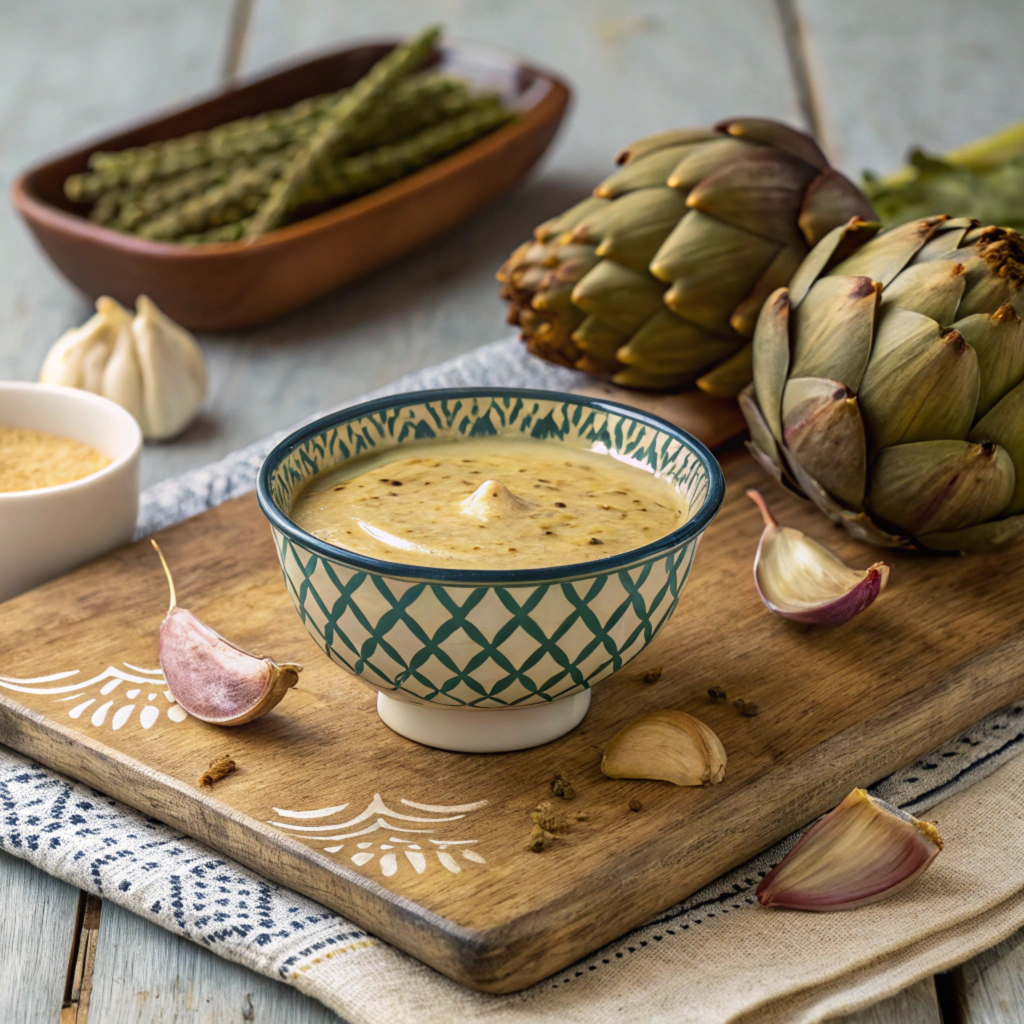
<point x="224" y="286"/>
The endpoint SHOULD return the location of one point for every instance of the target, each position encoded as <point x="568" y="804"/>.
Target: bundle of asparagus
<point x="242" y="179"/>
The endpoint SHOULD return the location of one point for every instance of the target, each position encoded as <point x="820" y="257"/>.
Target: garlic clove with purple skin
<point x="800" y="579"/>
<point x="859" y="853"/>
<point x="211" y="678"/>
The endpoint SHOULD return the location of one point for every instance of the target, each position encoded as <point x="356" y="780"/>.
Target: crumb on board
<point x="635" y="805"/>
<point x="652" y="675"/>
<point x="216" y="770"/>
<point x="717" y="693"/>
<point x="747" y="708"/>
<point x="561" y="786"/>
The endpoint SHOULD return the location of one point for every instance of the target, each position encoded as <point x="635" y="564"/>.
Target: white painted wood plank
<point x="891" y="75"/>
<point x="914" y="1005"/>
<point x="37" y="928"/>
<point x="990" y="988"/>
<point x="145" y="975"/>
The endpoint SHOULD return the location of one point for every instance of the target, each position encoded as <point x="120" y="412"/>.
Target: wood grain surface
<point x="841" y="708"/>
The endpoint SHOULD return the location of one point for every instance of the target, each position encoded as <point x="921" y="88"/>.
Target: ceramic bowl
<point x="486" y="660"/>
<point x="47" y="532"/>
<point x="239" y="284"/>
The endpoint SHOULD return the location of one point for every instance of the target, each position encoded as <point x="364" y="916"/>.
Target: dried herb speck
<point x="216" y="770"/>
<point x="561" y="786"/>
<point x="540" y="839"/>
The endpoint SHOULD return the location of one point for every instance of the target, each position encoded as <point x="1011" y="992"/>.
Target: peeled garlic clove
<point x="859" y="853"/>
<point x="671" y="746"/>
<point x="803" y="580"/>
<point x="211" y="678"/>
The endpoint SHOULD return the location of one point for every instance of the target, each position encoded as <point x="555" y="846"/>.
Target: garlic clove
<point x="173" y="371"/>
<point x="861" y="852"/>
<point x="78" y="356"/>
<point x="670" y="746"/>
<point x="211" y="678"/>
<point x="800" y="579"/>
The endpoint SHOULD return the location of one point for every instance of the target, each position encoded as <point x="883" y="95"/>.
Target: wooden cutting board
<point x="428" y="849"/>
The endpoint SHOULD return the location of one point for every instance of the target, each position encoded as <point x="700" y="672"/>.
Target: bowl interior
<point x="596" y="425"/>
<point x="85" y="417"/>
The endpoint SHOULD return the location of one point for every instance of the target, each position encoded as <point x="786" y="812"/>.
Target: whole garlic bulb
<point x="148" y="364"/>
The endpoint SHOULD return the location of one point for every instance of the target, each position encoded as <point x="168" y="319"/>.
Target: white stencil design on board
<point x="416" y="848"/>
<point x="109" y="699"/>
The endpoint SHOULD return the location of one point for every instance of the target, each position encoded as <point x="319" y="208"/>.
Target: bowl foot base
<point x="483" y="731"/>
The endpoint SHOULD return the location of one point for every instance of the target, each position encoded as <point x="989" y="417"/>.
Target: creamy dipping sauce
<point x="30" y="459"/>
<point x="489" y="503"/>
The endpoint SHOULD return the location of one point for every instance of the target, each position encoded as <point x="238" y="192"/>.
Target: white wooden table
<point x="870" y="76"/>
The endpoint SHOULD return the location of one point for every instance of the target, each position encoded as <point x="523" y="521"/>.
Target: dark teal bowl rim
<point x="497" y="577"/>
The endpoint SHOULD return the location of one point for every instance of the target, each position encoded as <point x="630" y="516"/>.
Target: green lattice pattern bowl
<point x="486" y="639"/>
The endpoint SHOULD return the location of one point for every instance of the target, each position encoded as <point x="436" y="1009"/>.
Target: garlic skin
<point x="802" y="580"/>
<point x="211" y="678"/>
<point x="669" y="746"/>
<point x="146" y="363"/>
<point x="859" y="853"/>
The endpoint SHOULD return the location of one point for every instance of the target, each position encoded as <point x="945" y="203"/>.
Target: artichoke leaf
<point x="631" y="230"/>
<point x="1004" y="425"/>
<point x="728" y="378"/>
<point x="744" y="317"/>
<point x="770" y="359"/>
<point x="885" y="256"/>
<point x="833" y="327"/>
<point x="667" y="342"/>
<point x="945" y="241"/>
<point x="711" y="266"/>
<point x="832" y="249"/>
<point x="645" y="172"/>
<point x="631" y="377"/>
<point x="999" y="341"/>
<point x="976" y="539"/>
<point x="703" y="160"/>
<point x="920" y="387"/>
<point x="652" y="143"/>
<point x="621" y="297"/>
<point x="823" y="430"/>
<point x="931" y="289"/>
<point x="829" y="198"/>
<point x="938" y="486"/>
<point x="595" y="337"/>
<point x="566" y="222"/>
<point x="995" y="271"/>
<point x="773" y="133"/>
<point x="760" y="433"/>
<point x="761" y="193"/>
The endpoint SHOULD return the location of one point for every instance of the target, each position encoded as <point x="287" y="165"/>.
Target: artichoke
<point x="656" y="280"/>
<point x="889" y="383"/>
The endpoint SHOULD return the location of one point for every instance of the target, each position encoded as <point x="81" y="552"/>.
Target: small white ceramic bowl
<point x="49" y="531"/>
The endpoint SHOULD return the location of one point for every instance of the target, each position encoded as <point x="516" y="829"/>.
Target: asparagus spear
<point x="375" y="168"/>
<point x="241" y="193"/>
<point x="333" y="136"/>
<point x="247" y="138"/>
